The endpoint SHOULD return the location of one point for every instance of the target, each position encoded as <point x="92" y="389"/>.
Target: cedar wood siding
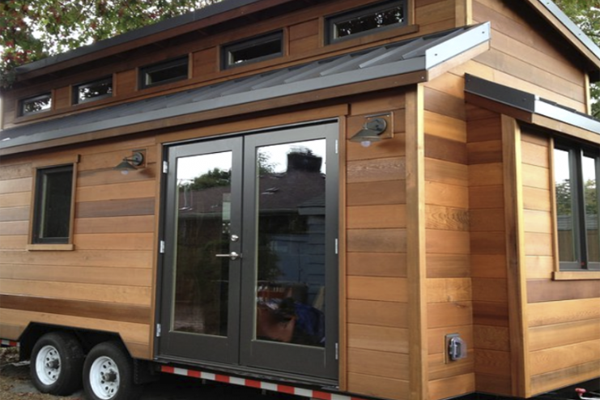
<point x="111" y="270"/>
<point x="563" y="316"/>
<point x="106" y="282"/>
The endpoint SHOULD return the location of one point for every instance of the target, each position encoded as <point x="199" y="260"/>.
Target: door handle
<point x="233" y="255"/>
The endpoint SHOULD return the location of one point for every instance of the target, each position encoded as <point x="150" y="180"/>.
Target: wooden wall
<point x="376" y="282"/>
<point x="449" y="287"/>
<point x="303" y="42"/>
<point x="106" y="282"/>
<point x="526" y="54"/>
<point x="563" y="315"/>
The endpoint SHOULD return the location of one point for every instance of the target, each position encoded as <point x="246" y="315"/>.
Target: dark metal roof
<point x="420" y="54"/>
<point x="529" y="102"/>
<point x="228" y="5"/>
<point x="162" y="26"/>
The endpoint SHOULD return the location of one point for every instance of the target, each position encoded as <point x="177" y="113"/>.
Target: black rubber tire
<point x="108" y="373"/>
<point x="56" y="364"/>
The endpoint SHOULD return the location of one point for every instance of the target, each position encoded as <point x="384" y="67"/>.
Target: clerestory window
<point x="366" y="20"/>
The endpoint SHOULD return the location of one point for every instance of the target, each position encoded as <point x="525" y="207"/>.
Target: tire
<point x="56" y="364"/>
<point x="108" y="373"/>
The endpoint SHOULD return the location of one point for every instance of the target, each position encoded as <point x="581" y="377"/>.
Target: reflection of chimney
<point x="300" y="161"/>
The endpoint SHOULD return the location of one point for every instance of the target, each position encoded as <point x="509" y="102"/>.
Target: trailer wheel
<point x="56" y="363"/>
<point x="108" y="373"/>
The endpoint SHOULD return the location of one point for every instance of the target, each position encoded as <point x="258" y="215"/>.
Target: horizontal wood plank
<point x="559" y="312"/>
<point x="376" y="193"/>
<point x="379" y="338"/>
<point x="378" y="363"/>
<point x="115" y="208"/>
<point x="379" y="313"/>
<point x="376" y="288"/>
<point x="376" y="264"/>
<point x="376" y="240"/>
<point x="377" y="386"/>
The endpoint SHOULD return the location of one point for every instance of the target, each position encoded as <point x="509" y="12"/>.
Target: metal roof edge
<point x="572" y="117"/>
<point x="499" y="93"/>
<point x="530" y="103"/>
<point x="458" y="44"/>
<point x="161" y="26"/>
<point x="571" y="26"/>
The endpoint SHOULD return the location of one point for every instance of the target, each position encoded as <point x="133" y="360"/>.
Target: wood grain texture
<point x="379" y="313"/>
<point x="104" y="311"/>
<point x="377" y="288"/>
<point x="379" y="338"/>
<point x="377" y="264"/>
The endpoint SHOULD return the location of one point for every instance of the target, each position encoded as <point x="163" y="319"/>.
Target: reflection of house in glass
<point x="291" y="253"/>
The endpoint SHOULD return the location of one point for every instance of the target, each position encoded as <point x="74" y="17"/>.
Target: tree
<point x="32" y="30"/>
<point x="586" y="14"/>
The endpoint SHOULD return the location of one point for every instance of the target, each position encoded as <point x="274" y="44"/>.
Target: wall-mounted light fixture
<point x="132" y="163"/>
<point x="375" y="129"/>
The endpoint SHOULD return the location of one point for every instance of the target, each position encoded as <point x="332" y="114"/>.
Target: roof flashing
<point x="529" y="103"/>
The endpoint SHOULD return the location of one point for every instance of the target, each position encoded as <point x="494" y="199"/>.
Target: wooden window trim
<point x="576" y="275"/>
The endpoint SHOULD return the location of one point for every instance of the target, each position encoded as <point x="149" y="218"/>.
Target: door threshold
<point x="250" y="372"/>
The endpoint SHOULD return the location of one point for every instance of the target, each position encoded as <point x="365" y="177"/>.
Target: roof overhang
<point x="561" y="22"/>
<point x="200" y="19"/>
<point x="531" y="109"/>
<point x="393" y="65"/>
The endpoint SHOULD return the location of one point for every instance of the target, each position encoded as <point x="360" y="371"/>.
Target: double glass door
<point x="250" y="264"/>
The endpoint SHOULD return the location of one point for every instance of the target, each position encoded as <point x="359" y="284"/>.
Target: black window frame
<point x="24" y="102"/>
<point x="228" y="49"/>
<point x="163" y="66"/>
<point x="77" y="88"/>
<point x="41" y="205"/>
<point x="335" y="19"/>
<point x="577" y="152"/>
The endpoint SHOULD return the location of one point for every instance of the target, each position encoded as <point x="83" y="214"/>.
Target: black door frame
<point x="270" y="357"/>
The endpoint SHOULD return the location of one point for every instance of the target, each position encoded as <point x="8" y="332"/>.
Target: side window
<point x="53" y="205"/>
<point x="363" y="21"/>
<point x="164" y="72"/>
<point x="576" y="172"/>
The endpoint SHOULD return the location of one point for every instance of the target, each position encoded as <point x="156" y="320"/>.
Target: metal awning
<point x="529" y="103"/>
<point x="419" y="54"/>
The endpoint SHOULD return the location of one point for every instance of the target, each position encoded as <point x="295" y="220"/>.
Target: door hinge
<point x="165" y="167"/>
<point x="158" y="330"/>
<point x="161" y="249"/>
<point x="337" y="146"/>
<point x="337" y="351"/>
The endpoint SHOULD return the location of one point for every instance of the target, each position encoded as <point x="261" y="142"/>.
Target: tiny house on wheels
<point x="338" y="199"/>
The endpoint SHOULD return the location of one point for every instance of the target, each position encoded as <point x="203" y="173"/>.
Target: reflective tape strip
<point x="9" y="343"/>
<point x="273" y="387"/>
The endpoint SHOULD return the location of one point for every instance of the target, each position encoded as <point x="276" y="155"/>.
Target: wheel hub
<point x="47" y="365"/>
<point x="104" y="378"/>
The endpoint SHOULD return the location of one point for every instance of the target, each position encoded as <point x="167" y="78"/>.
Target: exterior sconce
<point x="132" y="163"/>
<point x="375" y="129"/>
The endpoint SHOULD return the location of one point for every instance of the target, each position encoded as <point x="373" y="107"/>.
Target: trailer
<point x="337" y="199"/>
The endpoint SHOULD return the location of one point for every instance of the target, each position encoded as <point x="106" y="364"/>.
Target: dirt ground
<point x="15" y="384"/>
<point x="14" y="379"/>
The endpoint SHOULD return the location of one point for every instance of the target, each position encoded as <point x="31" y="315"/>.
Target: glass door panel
<point x="203" y="230"/>
<point x="200" y="307"/>
<point x="289" y="285"/>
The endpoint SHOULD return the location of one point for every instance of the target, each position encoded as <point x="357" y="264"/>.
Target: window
<point x="92" y="90"/>
<point x="37" y="104"/>
<point x="365" y="20"/>
<point x="576" y="171"/>
<point x="165" y="72"/>
<point x="253" y="50"/>
<point x="53" y="203"/>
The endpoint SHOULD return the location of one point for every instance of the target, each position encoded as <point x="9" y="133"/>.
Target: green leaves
<point x="32" y="30"/>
